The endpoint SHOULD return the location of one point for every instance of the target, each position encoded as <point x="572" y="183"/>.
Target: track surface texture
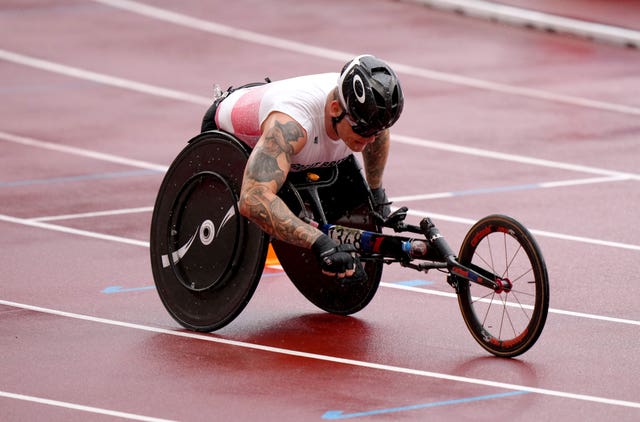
<point x="98" y="97"/>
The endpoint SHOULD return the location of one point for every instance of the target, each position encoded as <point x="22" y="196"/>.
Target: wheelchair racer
<point x="305" y="122"/>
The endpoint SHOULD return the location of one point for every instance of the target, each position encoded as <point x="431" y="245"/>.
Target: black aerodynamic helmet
<point x="370" y="94"/>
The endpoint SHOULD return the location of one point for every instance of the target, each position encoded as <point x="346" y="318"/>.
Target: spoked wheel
<point x="206" y="258"/>
<point x="505" y="323"/>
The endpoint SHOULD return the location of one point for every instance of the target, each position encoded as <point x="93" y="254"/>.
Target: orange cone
<point x="272" y="259"/>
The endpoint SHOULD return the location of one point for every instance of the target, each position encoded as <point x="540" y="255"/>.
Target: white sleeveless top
<point x="303" y="98"/>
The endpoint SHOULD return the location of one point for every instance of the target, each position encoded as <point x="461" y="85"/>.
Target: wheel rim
<point x="192" y="230"/>
<point x="506" y="323"/>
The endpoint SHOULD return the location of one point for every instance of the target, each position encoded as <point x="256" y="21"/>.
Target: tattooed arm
<point x="266" y="172"/>
<point x="375" y="158"/>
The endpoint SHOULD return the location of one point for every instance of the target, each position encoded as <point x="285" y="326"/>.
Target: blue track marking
<point x="514" y="188"/>
<point x="497" y="189"/>
<point x="119" y="289"/>
<point x="413" y="283"/>
<point x="83" y="177"/>
<point x="338" y="414"/>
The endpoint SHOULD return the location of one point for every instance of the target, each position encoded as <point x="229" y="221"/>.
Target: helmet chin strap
<point x="336" y="120"/>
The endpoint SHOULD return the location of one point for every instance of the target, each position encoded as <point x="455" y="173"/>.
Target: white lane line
<point x="23" y="140"/>
<point x="414" y="141"/>
<point x="512" y="188"/>
<point x="544" y="21"/>
<point x="69" y="230"/>
<point x="42" y="225"/>
<point x="101" y="78"/>
<point x="551" y="310"/>
<point x="342" y="56"/>
<point x="93" y="214"/>
<point x="426" y="143"/>
<point x="80" y="407"/>
<point x="118" y="239"/>
<point x="326" y="358"/>
<point x="455" y="148"/>
<point x="579" y="239"/>
<point x="579" y="182"/>
<point x="589" y="240"/>
<point x="274" y="42"/>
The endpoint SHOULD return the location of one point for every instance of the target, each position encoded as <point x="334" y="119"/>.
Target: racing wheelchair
<point x="207" y="259"/>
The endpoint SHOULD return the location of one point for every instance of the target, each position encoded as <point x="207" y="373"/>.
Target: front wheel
<point x="508" y="323"/>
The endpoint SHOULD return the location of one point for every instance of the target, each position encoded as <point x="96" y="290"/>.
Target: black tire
<point x="345" y="202"/>
<point x="330" y="294"/>
<point x="206" y="258"/>
<point x="506" y="324"/>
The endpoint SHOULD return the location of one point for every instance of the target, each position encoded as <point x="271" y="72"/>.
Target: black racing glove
<point x="381" y="202"/>
<point x="335" y="259"/>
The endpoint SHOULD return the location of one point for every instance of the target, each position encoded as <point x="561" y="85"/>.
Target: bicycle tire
<point x="506" y="324"/>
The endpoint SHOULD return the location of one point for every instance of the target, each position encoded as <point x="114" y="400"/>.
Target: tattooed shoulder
<point x="281" y="137"/>
<point x="291" y="131"/>
<point x="271" y="158"/>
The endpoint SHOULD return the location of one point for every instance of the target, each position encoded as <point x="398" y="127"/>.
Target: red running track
<point x="99" y="97"/>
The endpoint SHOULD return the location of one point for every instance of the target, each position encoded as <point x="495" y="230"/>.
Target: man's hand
<point x="334" y="259"/>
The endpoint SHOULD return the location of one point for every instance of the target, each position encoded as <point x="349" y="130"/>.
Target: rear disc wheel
<point x="206" y="258"/>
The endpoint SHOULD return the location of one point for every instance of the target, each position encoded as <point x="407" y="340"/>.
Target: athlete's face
<point x="344" y="128"/>
<point x="355" y="142"/>
<point x="358" y="143"/>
